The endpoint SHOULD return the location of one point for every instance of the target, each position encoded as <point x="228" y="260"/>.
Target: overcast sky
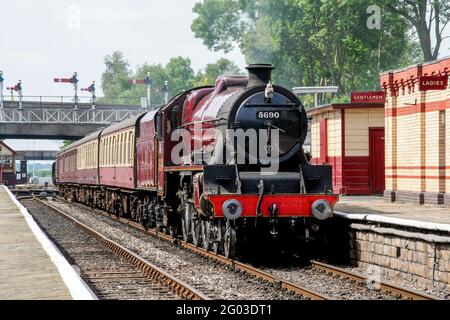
<point x="40" y="40"/>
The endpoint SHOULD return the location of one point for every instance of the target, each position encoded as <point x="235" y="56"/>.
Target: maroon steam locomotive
<point x="220" y="166"/>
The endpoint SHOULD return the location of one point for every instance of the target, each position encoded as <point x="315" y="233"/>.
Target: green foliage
<point x="178" y="72"/>
<point x="309" y="42"/>
<point x="43" y="173"/>
<point x="213" y="71"/>
<point x="428" y="18"/>
<point x="66" y="143"/>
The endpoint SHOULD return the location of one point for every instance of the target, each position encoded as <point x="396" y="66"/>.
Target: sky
<point x="41" y="40"/>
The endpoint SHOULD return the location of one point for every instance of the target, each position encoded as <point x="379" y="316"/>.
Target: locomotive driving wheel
<point x="229" y="239"/>
<point x="206" y="235"/>
<point x="186" y="220"/>
<point x="216" y="235"/>
<point x="196" y="230"/>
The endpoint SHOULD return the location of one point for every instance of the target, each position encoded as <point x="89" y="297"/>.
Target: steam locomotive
<point x="222" y="167"/>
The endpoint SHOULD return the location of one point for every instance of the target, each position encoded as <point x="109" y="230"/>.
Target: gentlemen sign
<point x="433" y="83"/>
<point x="368" y="97"/>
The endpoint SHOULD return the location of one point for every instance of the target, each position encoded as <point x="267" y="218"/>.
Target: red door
<point x="376" y="160"/>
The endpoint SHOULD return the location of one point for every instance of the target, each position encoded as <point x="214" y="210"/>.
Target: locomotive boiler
<point x="222" y="167"/>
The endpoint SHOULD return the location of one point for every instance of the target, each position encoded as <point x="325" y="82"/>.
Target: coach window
<point x="119" y="149"/>
<point x="90" y="155"/>
<point x="131" y="149"/>
<point x="109" y="150"/>
<point x="116" y="147"/>
<point x="125" y="143"/>
<point x="101" y="153"/>
<point x="106" y="151"/>
<point x="122" y="148"/>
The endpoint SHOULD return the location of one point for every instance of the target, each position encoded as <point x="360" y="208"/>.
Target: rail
<point x="178" y="286"/>
<point x="239" y="266"/>
<point x="260" y="274"/>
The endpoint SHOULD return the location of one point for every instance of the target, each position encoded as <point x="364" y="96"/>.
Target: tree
<point x="180" y="73"/>
<point x="115" y="77"/>
<point x="428" y="17"/>
<point x="309" y="42"/>
<point x="214" y="70"/>
<point x="66" y="143"/>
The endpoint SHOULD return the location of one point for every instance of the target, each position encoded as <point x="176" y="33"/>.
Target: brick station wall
<point x="417" y="133"/>
<point x="407" y="259"/>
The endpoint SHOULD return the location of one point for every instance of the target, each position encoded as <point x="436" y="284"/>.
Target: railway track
<point x="269" y="277"/>
<point x="114" y="271"/>
<point x="235" y="265"/>
<point x="361" y="279"/>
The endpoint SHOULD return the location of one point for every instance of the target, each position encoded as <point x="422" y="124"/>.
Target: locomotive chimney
<point x="259" y="74"/>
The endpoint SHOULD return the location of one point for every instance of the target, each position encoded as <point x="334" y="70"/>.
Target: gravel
<point x="442" y="293"/>
<point x="216" y="280"/>
<point x="108" y="276"/>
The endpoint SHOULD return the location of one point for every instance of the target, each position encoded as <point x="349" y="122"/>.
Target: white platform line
<point x="395" y="221"/>
<point x="77" y="287"/>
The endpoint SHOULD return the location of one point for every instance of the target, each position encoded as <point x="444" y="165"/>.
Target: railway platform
<point x="403" y="240"/>
<point x="406" y="212"/>
<point x="31" y="266"/>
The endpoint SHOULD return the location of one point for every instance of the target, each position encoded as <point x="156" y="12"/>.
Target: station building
<point x="350" y="137"/>
<point x="7" y="164"/>
<point x="417" y="118"/>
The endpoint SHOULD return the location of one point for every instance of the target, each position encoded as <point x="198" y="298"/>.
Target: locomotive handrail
<point x="200" y="122"/>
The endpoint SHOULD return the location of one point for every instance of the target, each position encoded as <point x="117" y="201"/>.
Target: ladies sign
<point x="433" y="83"/>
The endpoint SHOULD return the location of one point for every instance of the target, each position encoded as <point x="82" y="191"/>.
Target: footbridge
<point x="58" y="118"/>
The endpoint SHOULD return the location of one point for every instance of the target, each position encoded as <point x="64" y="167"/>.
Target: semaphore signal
<point x="74" y="81"/>
<point x="91" y="90"/>
<point x="148" y="82"/>
<point x="18" y="89"/>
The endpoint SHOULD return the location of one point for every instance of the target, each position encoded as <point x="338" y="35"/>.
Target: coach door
<point x="376" y="160"/>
